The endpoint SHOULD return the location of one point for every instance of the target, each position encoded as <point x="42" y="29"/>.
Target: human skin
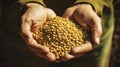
<point x="36" y="15"/>
<point x="90" y="21"/>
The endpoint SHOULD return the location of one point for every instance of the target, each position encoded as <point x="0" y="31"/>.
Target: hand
<point x="34" y="17"/>
<point x="90" y="21"/>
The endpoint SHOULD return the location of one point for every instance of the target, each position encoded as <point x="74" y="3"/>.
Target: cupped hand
<point x="34" y="17"/>
<point x="91" y="22"/>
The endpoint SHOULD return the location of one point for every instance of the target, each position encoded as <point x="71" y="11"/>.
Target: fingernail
<point x="98" y="40"/>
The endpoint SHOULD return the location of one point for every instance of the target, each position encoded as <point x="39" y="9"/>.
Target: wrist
<point x="34" y="5"/>
<point x="85" y="5"/>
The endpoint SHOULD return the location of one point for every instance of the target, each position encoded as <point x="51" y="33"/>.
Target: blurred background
<point x="115" y="52"/>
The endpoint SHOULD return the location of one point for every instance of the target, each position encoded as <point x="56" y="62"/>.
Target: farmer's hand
<point x="90" y="21"/>
<point x="34" y="17"/>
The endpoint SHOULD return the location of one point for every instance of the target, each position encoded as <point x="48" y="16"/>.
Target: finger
<point x="37" y="24"/>
<point x="27" y="35"/>
<point x="87" y="46"/>
<point x="58" y="60"/>
<point x="48" y="56"/>
<point x="51" y="57"/>
<point x="37" y="47"/>
<point x="68" y="12"/>
<point x="50" y="13"/>
<point x="79" y="55"/>
<point x="67" y="57"/>
<point x="41" y="55"/>
<point x="26" y="27"/>
<point x="38" y="50"/>
<point x="96" y="29"/>
<point x="38" y="20"/>
<point x="31" y="42"/>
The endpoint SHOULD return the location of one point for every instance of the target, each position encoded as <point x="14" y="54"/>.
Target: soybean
<point x="60" y="35"/>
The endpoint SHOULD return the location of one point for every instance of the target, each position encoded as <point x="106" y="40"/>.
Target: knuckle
<point x="66" y="58"/>
<point x="99" y="19"/>
<point x="23" y="17"/>
<point x="100" y="33"/>
<point x="48" y="9"/>
<point x="68" y="9"/>
<point x="50" y="12"/>
<point x="31" y="42"/>
<point x="21" y="34"/>
<point x="74" y="51"/>
<point x="50" y="57"/>
<point x="89" y="47"/>
<point x="27" y="19"/>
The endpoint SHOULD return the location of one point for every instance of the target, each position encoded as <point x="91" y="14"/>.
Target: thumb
<point x="68" y="12"/>
<point x="50" y="13"/>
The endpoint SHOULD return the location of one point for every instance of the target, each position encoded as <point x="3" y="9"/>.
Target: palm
<point x="35" y="16"/>
<point x="90" y="21"/>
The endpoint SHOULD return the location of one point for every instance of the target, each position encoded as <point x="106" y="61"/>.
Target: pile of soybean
<point x="60" y="35"/>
